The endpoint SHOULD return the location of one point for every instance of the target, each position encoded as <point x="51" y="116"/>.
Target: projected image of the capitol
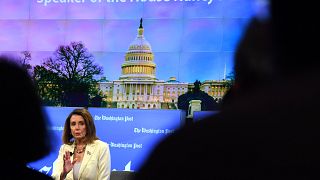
<point x="138" y="87"/>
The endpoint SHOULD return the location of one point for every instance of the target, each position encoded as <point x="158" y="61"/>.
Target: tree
<point x="47" y="84"/>
<point x="230" y="80"/>
<point x="24" y="60"/>
<point x="71" y="71"/>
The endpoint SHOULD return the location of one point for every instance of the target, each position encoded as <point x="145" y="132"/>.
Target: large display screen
<point x="191" y="39"/>
<point x="131" y="135"/>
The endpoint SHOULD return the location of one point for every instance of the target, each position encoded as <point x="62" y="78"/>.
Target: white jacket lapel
<point x="86" y="158"/>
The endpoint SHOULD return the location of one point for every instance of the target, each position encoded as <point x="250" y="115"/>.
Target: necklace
<point x="80" y="150"/>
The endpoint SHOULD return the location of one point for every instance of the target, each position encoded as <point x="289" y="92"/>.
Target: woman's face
<point x="78" y="127"/>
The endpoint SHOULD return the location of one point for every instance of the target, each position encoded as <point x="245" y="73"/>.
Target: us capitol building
<point x="138" y="87"/>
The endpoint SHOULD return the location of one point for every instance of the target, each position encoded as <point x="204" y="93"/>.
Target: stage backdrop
<point x="131" y="134"/>
<point x="200" y="115"/>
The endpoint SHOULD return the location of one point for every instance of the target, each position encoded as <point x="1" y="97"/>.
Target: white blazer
<point x="95" y="165"/>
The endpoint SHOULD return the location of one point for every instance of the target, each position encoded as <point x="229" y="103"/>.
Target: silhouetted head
<point x="254" y="64"/>
<point x="296" y="29"/>
<point x="24" y="127"/>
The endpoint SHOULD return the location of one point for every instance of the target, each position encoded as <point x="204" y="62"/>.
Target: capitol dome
<point x="140" y="44"/>
<point x="139" y="64"/>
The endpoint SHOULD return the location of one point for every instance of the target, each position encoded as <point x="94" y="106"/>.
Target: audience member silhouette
<point x="24" y="126"/>
<point x="271" y="132"/>
<point x="254" y="66"/>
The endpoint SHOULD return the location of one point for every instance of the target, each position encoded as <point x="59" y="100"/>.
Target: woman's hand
<point x="67" y="164"/>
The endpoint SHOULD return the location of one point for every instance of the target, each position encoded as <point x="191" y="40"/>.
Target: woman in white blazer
<point x="83" y="155"/>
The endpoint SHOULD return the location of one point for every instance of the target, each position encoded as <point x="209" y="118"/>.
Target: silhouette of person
<point x="24" y="126"/>
<point x="254" y="66"/>
<point x="82" y="155"/>
<point x="271" y="132"/>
